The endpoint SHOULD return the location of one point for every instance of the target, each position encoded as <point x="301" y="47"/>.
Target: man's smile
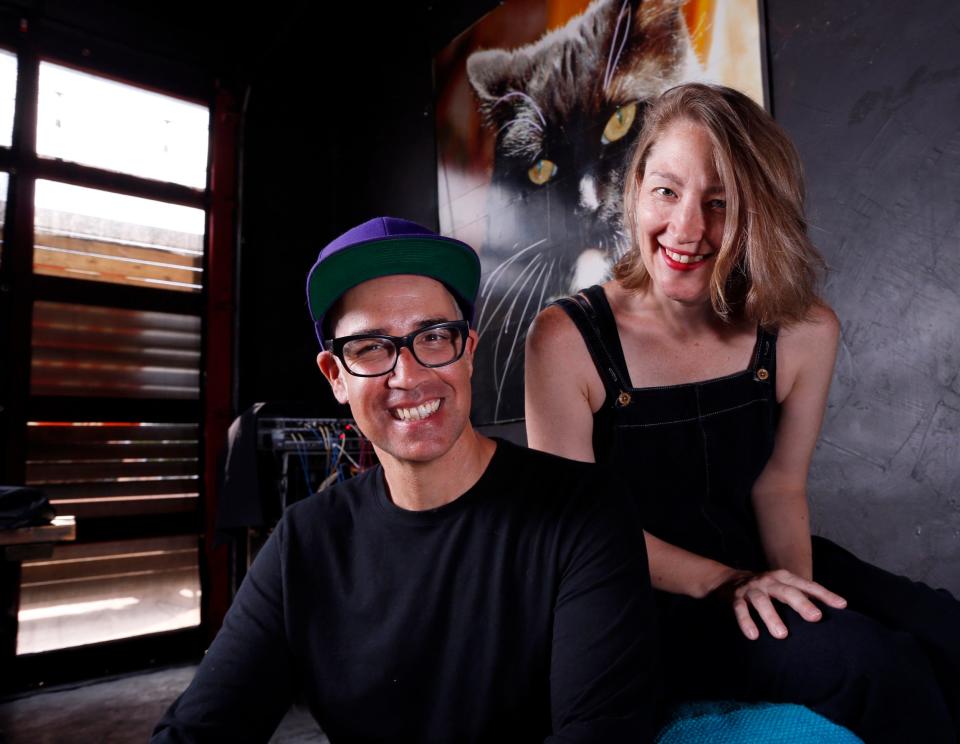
<point x="416" y="413"/>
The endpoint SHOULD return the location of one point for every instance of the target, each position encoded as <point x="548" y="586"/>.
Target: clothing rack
<point x="312" y="453"/>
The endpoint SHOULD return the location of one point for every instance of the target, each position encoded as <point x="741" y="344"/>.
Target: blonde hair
<point x="766" y="268"/>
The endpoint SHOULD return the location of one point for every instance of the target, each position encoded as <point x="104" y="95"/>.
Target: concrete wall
<point x="871" y="94"/>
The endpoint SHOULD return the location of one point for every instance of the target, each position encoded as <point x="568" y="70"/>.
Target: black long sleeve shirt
<point x="521" y="611"/>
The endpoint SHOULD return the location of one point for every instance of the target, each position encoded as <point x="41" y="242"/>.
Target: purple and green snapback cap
<point x="385" y="246"/>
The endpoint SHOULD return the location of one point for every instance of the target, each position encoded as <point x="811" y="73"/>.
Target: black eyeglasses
<point x="372" y="355"/>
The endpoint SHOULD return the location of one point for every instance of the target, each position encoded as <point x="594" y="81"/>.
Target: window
<point x="106" y="252"/>
<point x="84" y="233"/>
<point x="91" y="120"/>
<point x="8" y="95"/>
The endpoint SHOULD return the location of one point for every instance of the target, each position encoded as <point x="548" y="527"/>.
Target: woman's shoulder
<point x="555" y="331"/>
<point x="557" y="358"/>
<point x="820" y="326"/>
<point x="550" y="324"/>
<point x="551" y="328"/>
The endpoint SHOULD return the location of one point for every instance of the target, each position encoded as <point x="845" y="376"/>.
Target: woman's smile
<point x="682" y="261"/>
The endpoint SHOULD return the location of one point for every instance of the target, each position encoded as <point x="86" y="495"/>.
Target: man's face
<point x="396" y="306"/>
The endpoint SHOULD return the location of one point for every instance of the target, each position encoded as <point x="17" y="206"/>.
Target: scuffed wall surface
<point x="871" y="94"/>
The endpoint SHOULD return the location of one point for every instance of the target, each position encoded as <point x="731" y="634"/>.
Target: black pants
<point x="887" y="667"/>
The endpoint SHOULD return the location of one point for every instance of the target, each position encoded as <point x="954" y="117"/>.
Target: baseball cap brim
<point x="335" y="274"/>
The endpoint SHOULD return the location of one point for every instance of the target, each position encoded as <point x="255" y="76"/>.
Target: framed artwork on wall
<point x="538" y="106"/>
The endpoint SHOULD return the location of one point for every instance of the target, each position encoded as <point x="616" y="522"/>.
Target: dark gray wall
<point x="335" y="134"/>
<point x="871" y="94"/>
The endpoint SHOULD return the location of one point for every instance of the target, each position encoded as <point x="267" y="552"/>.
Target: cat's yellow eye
<point x="542" y="171"/>
<point x="619" y="124"/>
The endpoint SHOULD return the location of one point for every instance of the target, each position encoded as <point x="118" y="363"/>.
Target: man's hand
<point x="757" y="590"/>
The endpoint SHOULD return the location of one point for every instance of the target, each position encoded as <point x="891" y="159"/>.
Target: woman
<point x="703" y="366"/>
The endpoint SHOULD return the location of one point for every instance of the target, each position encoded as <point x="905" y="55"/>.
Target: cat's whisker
<point x="527" y="117"/>
<point x="506" y="295"/>
<point x="614" y="59"/>
<point x="523" y="117"/>
<point x="525" y="97"/>
<point x="515" y="293"/>
<point x="518" y="331"/>
<point x="496" y="272"/>
<point x="545" y="283"/>
<point x="501" y="299"/>
<point x="487" y="297"/>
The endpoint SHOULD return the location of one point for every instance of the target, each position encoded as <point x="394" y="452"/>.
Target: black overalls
<point x="888" y="667"/>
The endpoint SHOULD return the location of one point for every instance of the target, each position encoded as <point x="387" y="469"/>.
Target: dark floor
<point x="116" y="712"/>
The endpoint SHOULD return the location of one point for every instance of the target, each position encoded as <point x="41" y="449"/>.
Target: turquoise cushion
<point x="727" y="722"/>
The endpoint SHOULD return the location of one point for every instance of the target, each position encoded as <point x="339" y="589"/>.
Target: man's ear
<point x="330" y="366"/>
<point x="470" y="348"/>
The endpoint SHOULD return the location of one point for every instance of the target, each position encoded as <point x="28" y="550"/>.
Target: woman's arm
<point x="806" y="354"/>
<point x="561" y="388"/>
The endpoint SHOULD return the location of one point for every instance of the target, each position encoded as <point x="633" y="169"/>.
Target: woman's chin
<point x="685" y="292"/>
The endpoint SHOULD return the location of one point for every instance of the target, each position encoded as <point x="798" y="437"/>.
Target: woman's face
<point x="680" y="213"/>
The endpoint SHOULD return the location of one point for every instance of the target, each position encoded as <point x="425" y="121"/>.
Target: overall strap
<point x="764" y="366"/>
<point x="606" y="326"/>
<point x="584" y="315"/>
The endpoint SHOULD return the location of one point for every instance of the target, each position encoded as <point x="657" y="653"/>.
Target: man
<point x="466" y="589"/>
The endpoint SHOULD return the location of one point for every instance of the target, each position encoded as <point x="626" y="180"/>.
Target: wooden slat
<point x="41" y="473"/>
<point x="105" y="338"/>
<point x="39" y="435"/>
<point x="52" y="570"/>
<point x="95" y="316"/>
<point x="95" y="268"/>
<point x="53" y="408"/>
<point x="68" y="551"/>
<point x="77" y="380"/>
<point x="105" y="451"/>
<point x="128" y="507"/>
<point x="137" y="297"/>
<point x="186" y="257"/>
<point x="52" y="391"/>
<point x="120" y="489"/>
<point x="123" y="358"/>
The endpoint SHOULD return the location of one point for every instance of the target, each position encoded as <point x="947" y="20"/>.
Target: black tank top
<point x="694" y="450"/>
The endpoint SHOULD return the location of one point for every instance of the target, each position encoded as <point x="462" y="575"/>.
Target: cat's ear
<point x="493" y="74"/>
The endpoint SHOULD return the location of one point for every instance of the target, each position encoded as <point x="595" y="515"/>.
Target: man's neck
<point x="419" y="486"/>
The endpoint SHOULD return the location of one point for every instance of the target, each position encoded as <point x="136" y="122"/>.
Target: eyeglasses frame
<point x="401" y="342"/>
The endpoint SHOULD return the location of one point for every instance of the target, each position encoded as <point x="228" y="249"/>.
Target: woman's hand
<point x="746" y="589"/>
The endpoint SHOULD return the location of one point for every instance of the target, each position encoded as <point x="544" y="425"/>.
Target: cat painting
<point x="565" y="111"/>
